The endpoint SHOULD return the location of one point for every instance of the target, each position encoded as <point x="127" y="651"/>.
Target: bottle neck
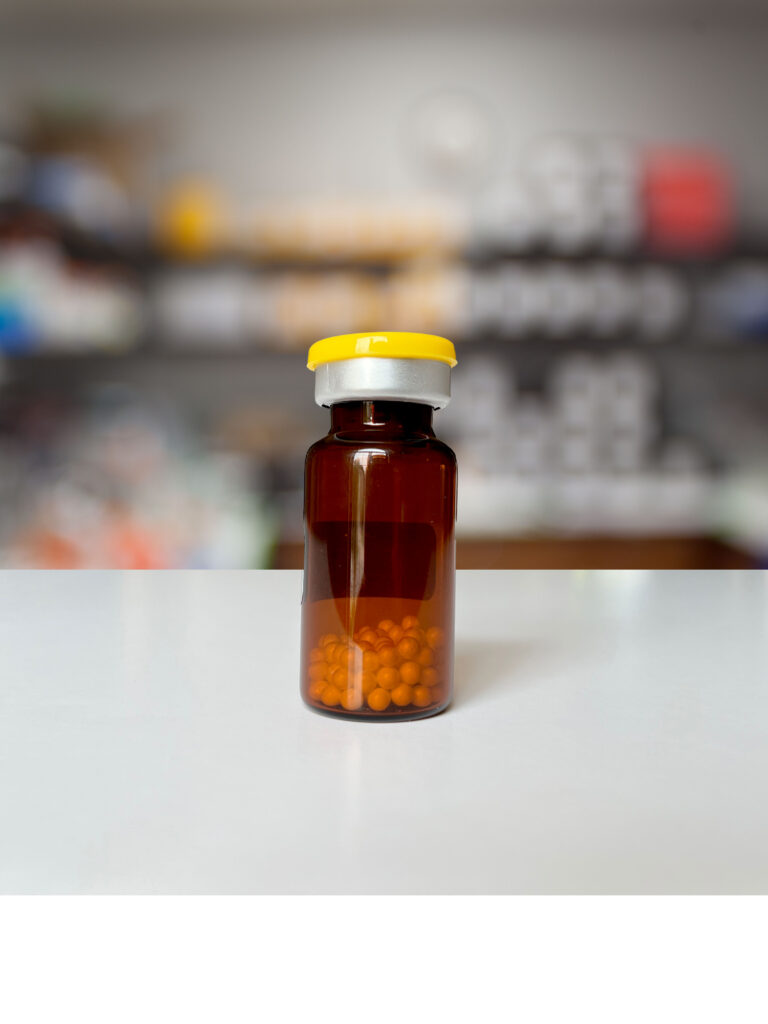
<point x="410" y="418"/>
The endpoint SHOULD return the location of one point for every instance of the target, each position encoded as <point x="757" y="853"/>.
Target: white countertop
<point x="609" y="734"/>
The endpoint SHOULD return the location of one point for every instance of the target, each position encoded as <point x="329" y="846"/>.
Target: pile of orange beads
<point x="390" y="664"/>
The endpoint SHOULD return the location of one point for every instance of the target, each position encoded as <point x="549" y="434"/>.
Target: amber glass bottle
<point x="380" y="502"/>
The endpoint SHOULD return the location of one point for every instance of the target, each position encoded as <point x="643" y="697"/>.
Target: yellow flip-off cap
<point x="391" y="345"/>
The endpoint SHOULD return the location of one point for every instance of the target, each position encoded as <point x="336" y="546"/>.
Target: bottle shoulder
<point x="343" y="446"/>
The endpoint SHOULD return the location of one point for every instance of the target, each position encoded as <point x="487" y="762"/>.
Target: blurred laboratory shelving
<point x="60" y="298"/>
<point x="580" y="292"/>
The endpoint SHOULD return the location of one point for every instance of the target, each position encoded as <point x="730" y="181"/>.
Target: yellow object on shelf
<point x="192" y="221"/>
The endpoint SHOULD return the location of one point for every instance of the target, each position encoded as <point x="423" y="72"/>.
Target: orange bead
<point x="340" y="677"/>
<point x="408" y="648"/>
<point x="371" y="661"/>
<point x="416" y="634"/>
<point x="387" y="655"/>
<point x="426" y="657"/>
<point x="368" y="683"/>
<point x="396" y="634"/>
<point x="422" y="696"/>
<point x="402" y="695"/>
<point x="435" y="637"/>
<point x="429" y="677"/>
<point x="317" y="671"/>
<point x="385" y="625"/>
<point x="368" y="635"/>
<point x="388" y="678"/>
<point x="410" y="672"/>
<point x="331" y="696"/>
<point x="317" y="689"/>
<point x="410" y="622"/>
<point x="316" y="655"/>
<point x="378" y="700"/>
<point x="328" y="638"/>
<point x="352" y="699"/>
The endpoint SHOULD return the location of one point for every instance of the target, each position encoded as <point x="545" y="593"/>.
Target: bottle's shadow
<point x="481" y="667"/>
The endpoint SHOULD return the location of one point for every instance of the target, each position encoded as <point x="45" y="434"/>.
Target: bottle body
<point x="379" y="569"/>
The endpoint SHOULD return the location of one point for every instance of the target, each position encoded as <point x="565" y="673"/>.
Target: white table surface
<point x="609" y="734"/>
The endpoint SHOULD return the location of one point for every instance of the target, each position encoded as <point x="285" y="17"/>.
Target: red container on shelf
<point x="688" y="201"/>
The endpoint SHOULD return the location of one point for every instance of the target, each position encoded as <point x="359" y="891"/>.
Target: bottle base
<point x="378" y="716"/>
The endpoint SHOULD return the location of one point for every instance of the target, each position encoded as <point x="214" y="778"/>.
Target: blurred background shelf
<point x="156" y="349"/>
<point x="577" y="196"/>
